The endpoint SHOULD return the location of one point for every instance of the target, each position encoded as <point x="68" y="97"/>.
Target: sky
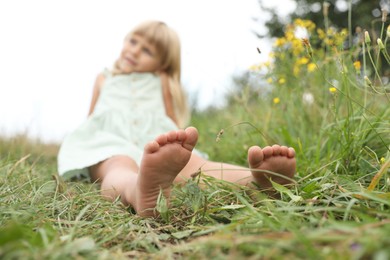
<point x="51" y="52"/>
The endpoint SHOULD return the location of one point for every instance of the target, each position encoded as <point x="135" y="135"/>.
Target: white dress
<point x="128" y="114"/>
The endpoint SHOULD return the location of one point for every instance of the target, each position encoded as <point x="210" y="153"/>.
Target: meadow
<point x="327" y="96"/>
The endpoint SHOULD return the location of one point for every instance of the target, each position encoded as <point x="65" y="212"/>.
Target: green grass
<point x="43" y="217"/>
<point x="339" y="207"/>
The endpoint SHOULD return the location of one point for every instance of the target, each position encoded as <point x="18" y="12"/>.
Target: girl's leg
<point x="118" y="177"/>
<point x="170" y="154"/>
<point x="272" y="162"/>
<point x="162" y="161"/>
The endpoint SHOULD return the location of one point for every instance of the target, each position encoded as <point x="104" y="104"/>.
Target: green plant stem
<point x="384" y="51"/>
<point x="326" y="25"/>
<point x="373" y="64"/>
<point x="350" y="23"/>
<point x="364" y="73"/>
<point x="377" y="62"/>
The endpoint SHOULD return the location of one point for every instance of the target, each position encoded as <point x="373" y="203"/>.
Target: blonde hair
<point x="167" y="44"/>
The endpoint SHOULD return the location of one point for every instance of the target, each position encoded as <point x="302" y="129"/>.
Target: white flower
<point x="308" y="98"/>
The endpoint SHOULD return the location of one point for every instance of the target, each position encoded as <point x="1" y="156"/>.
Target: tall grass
<point x="320" y="103"/>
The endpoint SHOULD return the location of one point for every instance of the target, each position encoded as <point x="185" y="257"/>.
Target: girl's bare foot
<point x="271" y="159"/>
<point x="163" y="160"/>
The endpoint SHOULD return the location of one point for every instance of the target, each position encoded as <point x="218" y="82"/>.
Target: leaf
<point x="286" y="191"/>
<point x="220" y="218"/>
<point x="182" y="234"/>
<point x="233" y="206"/>
<point x="379" y="175"/>
<point x="162" y="207"/>
<point x="83" y="244"/>
<point x="310" y="187"/>
<point x="163" y="236"/>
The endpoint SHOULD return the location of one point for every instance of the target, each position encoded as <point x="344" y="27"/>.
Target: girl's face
<point x="138" y="55"/>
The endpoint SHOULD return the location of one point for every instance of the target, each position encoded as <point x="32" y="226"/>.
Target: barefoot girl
<point x="131" y="142"/>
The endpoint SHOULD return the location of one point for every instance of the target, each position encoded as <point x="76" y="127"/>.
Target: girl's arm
<point x="96" y="92"/>
<point x="167" y="96"/>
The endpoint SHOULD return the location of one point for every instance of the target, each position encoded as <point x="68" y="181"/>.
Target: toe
<point x="162" y="139"/>
<point x="255" y="156"/>
<point x="276" y="149"/>
<point x="191" y="138"/>
<point x="284" y="150"/>
<point x="181" y="136"/>
<point x="152" y="147"/>
<point x="172" y="136"/>
<point x="268" y="152"/>
<point x="291" y="152"/>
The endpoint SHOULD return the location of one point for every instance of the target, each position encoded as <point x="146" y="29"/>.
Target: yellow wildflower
<point x="298" y="22"/>
<point x="282" y="81"/>
<point x="321" y="34"/>
<point x="328" y="42"/>
<point x="383" y="160"/>
<point x="276" y="100"/>
<point x="332" y="90"/>
<point x="270" y="80"/>
<point x="344" y="32"/>
<point x="303" y="60"/>
<point x="297" y="47"/>
<point x="309" y="25"/>
<point x="280" y="42"/>
<point x="357" y="65"/>
<point x="267" y="64"/>
<point x="339" y="38"/>
<point x="290" y="35"/>
<point x="311" y="67"/>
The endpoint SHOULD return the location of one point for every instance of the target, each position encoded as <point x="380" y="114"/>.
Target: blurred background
<point x="51" y="51"/>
